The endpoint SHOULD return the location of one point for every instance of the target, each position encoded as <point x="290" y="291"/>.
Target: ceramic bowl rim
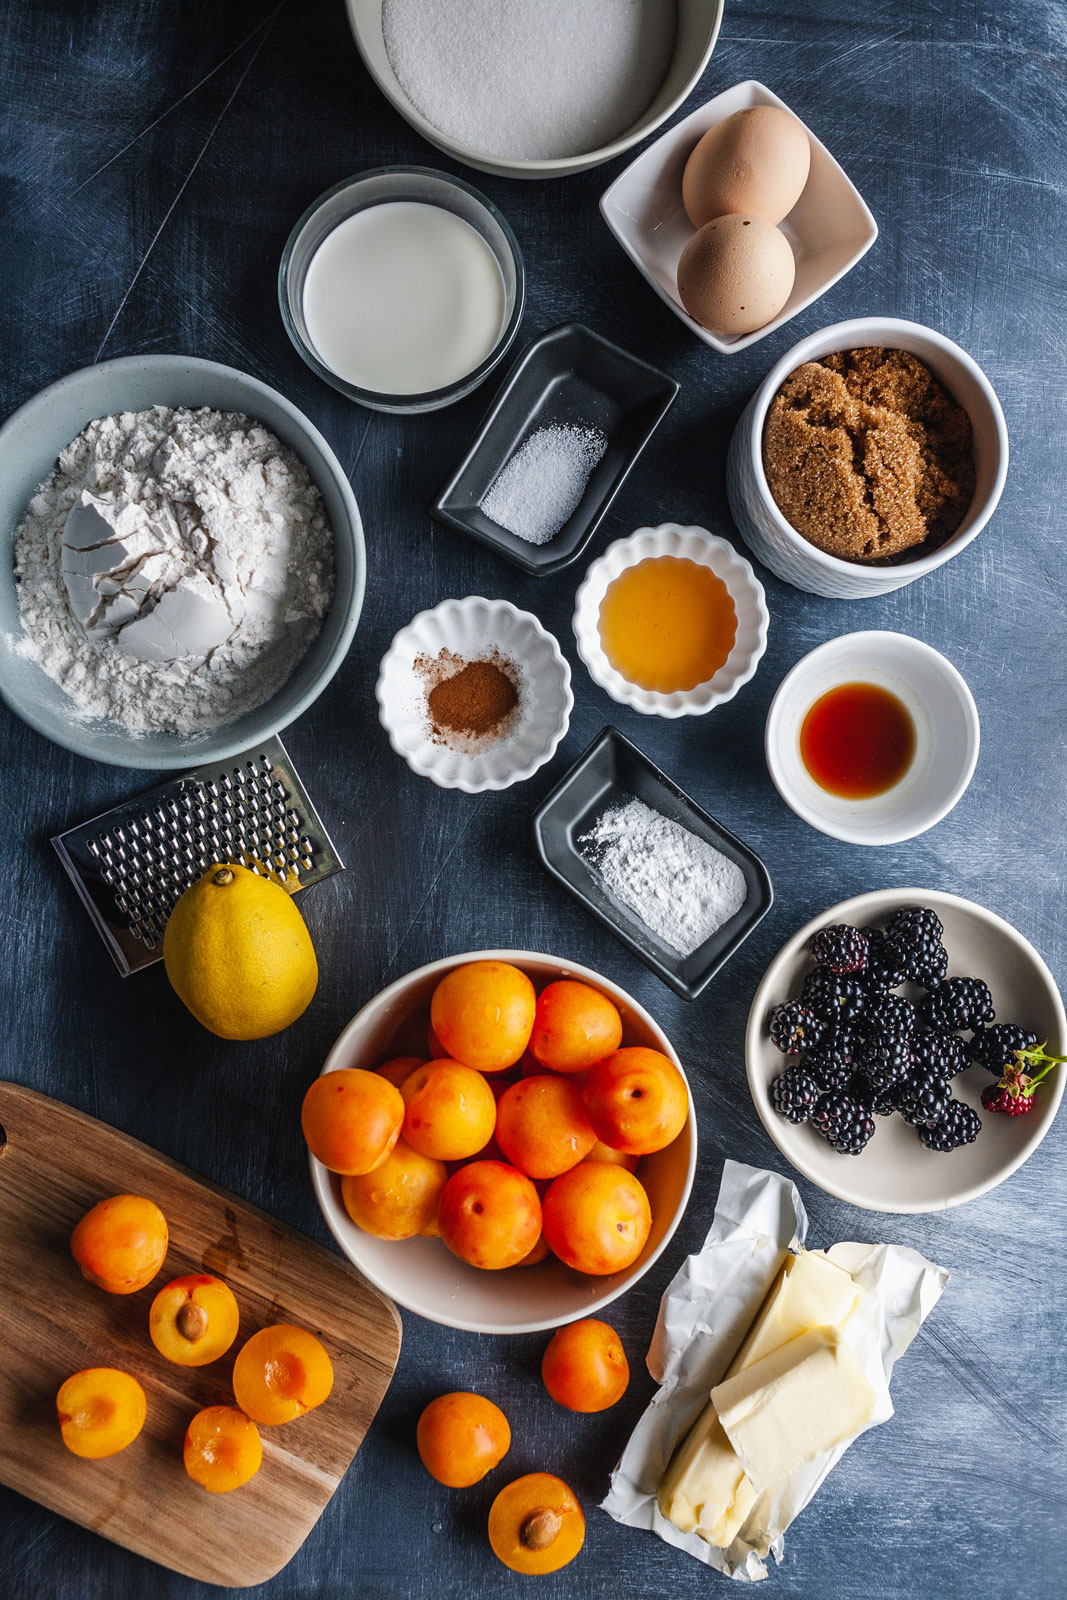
<point x="906" y="645"/>
<point x="681" y="702"/>
<point x="854" y="333"/>
<point x="425" y="769"/>
<point x="862" y="909"/>
<point x="333" y="1212"/>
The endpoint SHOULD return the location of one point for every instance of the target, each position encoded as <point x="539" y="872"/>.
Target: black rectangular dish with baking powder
<point x="568" y="376"/>
<point x="614" y="770"/>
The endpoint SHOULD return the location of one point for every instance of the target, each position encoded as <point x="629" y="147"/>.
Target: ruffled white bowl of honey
<point x="671" y="621"/>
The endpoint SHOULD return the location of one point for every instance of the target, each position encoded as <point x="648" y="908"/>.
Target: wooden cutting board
<point x="54" y="1165"/>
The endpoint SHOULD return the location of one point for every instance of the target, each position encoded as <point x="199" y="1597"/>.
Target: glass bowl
<point x="377" y="187"/>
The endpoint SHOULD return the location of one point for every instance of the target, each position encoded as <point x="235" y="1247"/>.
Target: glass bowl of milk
<point x="402" y="287"/>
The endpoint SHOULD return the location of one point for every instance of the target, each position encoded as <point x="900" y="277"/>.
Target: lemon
<point x="239" y="955"/>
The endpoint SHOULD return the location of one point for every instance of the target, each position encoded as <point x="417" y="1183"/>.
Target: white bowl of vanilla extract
<point x="872" y="738"/>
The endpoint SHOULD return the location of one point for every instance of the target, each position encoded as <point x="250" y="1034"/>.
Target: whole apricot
<point x="352" y="1119"/>
<point x="597" y="1218"/>
<point x="436" y="1049"/>
<point x="398" y="1199"/>
<point x="539" y="1253"/>
<point x="604" y="1152"/>
<point x="399" y="1068"/>
<point x="101" y="1410"/>
<point x="121" y="1243"/>
<point x="575" y="1026"/>
<point x="461" y="1437"/>
<point x="489" y="1215"/>
<point x="542" y="1127"/>
<point x="193" y="1320"/>
<point x="584" y="1366"/>
<point x="636" y="1100"/>
<point x="281" y="1372"/>
<point x="483" y="1013"/>
<point x="450" y="1110"/>
<point x="536" y="1524"/>
<point x="222" y="1449"/>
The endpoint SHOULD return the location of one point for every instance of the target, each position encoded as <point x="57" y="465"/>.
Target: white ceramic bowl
<point x="693" y="544"/>
<point x="776" y="543"/>
<point x="895" y="1172"/>
<point x="470" y="629"/>
<point x="422" y="1274"/>
<point x="30" y="441"/>
<point x="698" y="29"/>
<point x="829" y="229"/>
<point x="946" y="736"/>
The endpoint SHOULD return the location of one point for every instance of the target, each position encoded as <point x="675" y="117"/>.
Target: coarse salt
<point x="540" y="487"/>
<point x="678" y="885"/>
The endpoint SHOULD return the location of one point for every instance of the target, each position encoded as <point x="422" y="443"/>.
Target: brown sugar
<point x="469" y="702"/>
<point x="868" y="457"/>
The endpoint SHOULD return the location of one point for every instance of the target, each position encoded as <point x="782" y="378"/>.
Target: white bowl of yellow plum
<point x="502" y="1141"/>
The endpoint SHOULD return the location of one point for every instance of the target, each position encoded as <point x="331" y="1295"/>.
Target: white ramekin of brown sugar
<point x="786" y="552"/>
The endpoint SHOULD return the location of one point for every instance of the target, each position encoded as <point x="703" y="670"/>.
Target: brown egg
<point x="735" y="274"/>
<point x="754" y="163"/>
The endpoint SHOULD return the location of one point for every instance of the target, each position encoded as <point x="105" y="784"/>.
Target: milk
<point x="403" y="298"/>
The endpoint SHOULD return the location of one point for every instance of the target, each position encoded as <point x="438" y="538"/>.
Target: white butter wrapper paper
<point x="705" y="1313"/>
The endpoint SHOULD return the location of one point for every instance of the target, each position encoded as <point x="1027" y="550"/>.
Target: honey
<point x="667" y="623"/>
<point x="857" y="740"/>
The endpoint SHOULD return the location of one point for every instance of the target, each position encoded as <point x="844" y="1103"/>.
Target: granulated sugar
<point x="542" y="484"/>
<point x="530" y="80"/>
<point x="680" y="887"/>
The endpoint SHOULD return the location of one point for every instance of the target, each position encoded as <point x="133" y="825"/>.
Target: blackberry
<point x="959" y="1125"/>
<point x="844" y="1123"/>
<point x="885" y="964"/>
<point x="890" y="1013"/>
<point x="883" y="1102"/>
<point x="795" y="1028"/>
<point x="923" y="1097"/>
<point x="958" y="1003"/>
<point x="841" y="948"/>
<point x="885" y="1059"/>
<point x="1008" y="1102"/>
<point x="994" y="1048"/>
<point x="913" y="923"/>
<point x="830" y="1062"/>
<point x="833" y="997"/>
<point x="943" y="1053"/>
<point x="794" y="1094"/>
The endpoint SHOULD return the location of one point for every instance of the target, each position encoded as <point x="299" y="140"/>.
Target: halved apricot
<point x="121" y="1243"/>
<point x="398" y="1199"/>
<point x="222" y="1449"/>
<point x="542" y="1127"/>
<point x="536" y="1524"/>
<point x="461" y="1437"/>
<point x="101" y="1410"/>
<point x="575" y="1026"/>
<point x="636" y="1100"/>
<point x="281" y="1372"/>
<point x="489" y="1215"/>
<point x="450" y="1110"/>
<point x="352" y="1119"/>
<point x="597" y="1218"/>
<point x="584" y="1366"/>
<point x="483" y="1013"/>
<point x="193" y="1320"/>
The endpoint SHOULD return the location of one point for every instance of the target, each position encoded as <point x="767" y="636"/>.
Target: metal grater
<point x="130" y="865"/>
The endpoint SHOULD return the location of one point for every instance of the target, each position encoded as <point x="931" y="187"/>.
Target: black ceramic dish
<point x="614" y="770"/>
<point x="569" y="375"/>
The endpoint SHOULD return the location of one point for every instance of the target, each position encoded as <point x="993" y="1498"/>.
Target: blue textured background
<point x="155" y="156"/>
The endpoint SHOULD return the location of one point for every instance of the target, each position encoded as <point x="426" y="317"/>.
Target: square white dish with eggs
<point x="829" y="229"/>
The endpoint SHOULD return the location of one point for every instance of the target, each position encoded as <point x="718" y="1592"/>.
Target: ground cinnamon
<point x="474" y="701"/>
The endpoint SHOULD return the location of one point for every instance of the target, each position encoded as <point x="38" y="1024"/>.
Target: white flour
<point x="530" y="79"/>
<point x="681" y="887"/>
<point x="193" y="576"/>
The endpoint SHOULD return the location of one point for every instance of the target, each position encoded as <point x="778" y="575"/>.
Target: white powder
<point x="193" y="574"/>
<point x="540" y="487"/>
<point x="681" y="888"/>
<point x="530" y="80"/>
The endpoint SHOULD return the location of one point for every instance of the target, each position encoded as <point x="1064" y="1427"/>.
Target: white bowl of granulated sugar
<point x="116" y="482"/>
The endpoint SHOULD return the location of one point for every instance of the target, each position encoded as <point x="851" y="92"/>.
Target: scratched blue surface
<point x="154" y="158"/>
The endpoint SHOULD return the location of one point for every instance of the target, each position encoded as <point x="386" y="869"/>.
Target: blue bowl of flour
<point x="31" y="441"/>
